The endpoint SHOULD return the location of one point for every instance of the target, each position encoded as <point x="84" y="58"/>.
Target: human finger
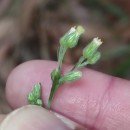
<point x="2" y="116"/>
<point x="96" y="100"/>
<point x="35" y="118"/>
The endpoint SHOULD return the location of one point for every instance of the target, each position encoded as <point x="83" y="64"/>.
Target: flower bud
<point x="91" y="48"/>
<point x="72" y="75"/>
<point x="33" y="97"/>
<point x="55" y="75"/>
<point x="94" y="58"/>
<point x="70" y="39"/>
<point x="30" y="97"/>
<point x="39" y="102"/>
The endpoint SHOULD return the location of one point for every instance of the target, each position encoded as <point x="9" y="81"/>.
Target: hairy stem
<point x="55" y="85"/>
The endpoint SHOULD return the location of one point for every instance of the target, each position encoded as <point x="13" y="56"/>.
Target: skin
<point x="95" y="101"/>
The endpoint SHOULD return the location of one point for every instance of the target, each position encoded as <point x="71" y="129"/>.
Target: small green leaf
<point x="34" y="96"/>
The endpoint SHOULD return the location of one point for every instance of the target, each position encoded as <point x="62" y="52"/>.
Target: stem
<point x="53" y="89"/>
<point x="77" y="65"/>
<point x="61" y="54"/>
<point x="55" y="81"/>
<point x="83" y="64"/>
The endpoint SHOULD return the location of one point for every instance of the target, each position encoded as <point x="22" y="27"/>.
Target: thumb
<point x="35" y="118"/>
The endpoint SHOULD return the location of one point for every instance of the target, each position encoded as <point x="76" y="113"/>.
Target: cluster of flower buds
<point x="90" y="51"/>
<point x="34" y="96"/>
<point x="90" y="56"/>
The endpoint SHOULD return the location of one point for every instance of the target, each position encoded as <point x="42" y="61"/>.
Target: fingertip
<point x="31" y="118"/>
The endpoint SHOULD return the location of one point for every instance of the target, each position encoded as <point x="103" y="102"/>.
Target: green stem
<point x="53" y="89"/>
<point x="61" y="53"/>
<point x="55" y="81"/>
<point x="83" y="64"/>
<point x="77" y="65"/>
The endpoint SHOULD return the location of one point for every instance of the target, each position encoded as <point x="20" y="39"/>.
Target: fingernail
<point x="34" y="118"/>
<point x="71" y="124"/>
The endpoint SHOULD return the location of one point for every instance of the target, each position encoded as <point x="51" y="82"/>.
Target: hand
<point x="96" y="101"/>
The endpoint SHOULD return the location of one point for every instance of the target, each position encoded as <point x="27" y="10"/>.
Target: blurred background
<point x="30" y="29"/>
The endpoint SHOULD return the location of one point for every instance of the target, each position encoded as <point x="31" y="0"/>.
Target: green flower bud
<point x="30" y="97"/>
<point x="69" y="76"/>
<point x="55" y="75"/>
<point x="94" y="58"/>
<point x="34" y="96"/>
<point x="91" y="48"/>
<point x="39" y="102"/>
<point x="70" y="39"/>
